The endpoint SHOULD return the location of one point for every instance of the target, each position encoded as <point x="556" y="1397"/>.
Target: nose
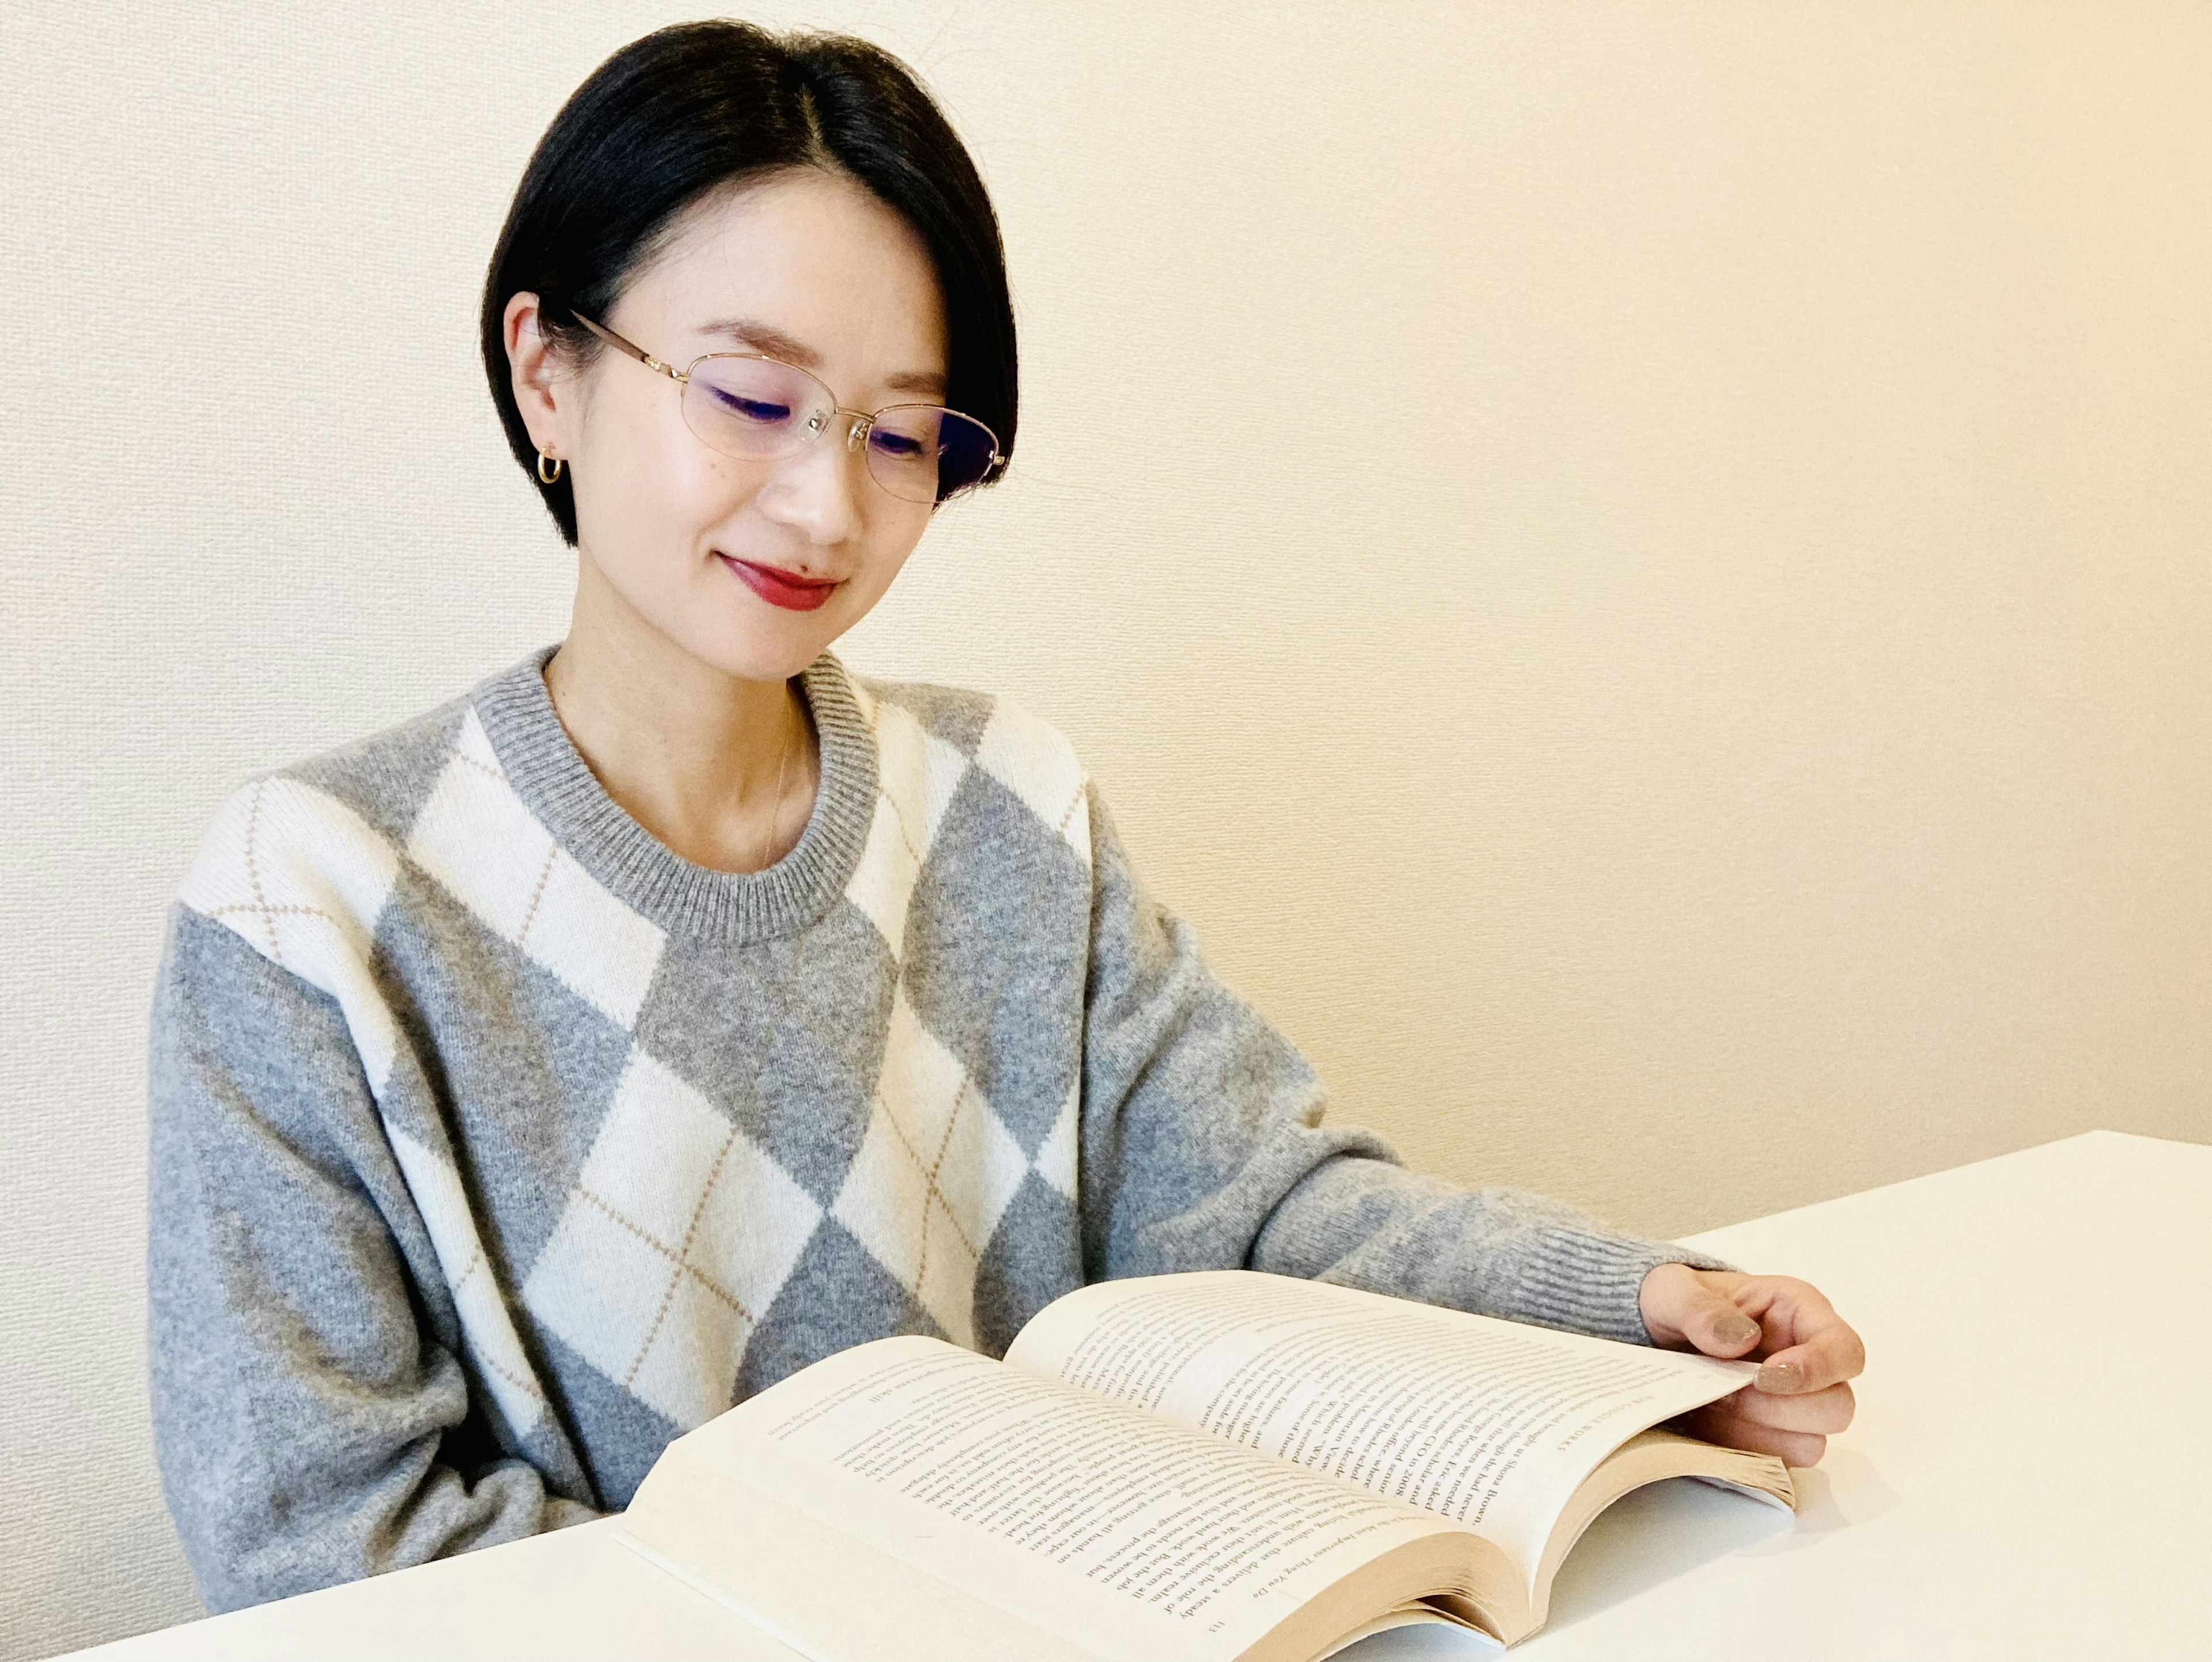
<point x="819" y="490"/>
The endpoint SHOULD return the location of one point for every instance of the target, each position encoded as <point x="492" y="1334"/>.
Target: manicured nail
<point x="1780" y="1376"/>
<point x="1735" y="1330"/>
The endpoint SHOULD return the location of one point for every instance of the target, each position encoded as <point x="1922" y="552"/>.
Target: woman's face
<point x="751" y="566"/>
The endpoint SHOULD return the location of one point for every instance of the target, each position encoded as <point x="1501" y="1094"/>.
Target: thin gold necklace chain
<point x="776" y="807"/>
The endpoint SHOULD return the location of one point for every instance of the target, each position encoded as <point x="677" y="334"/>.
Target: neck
<point x="714" y="765"/>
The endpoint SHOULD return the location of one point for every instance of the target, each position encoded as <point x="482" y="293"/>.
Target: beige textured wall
<point x="1640" y="568"/>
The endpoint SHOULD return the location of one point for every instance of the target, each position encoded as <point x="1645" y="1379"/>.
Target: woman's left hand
<point x="1806" y="1350"/>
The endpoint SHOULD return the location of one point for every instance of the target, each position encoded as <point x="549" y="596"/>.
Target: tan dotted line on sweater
<point x="552" y="853"/>
<point x="485" y="768"/>
<point x="682" y="1269"/>
<point x="528" y="1387"/>
<point x="684" y="1258"/>
<point x="253" y="874"/>
<point x="898" y="819"/>
<point x="930" y="1177"/>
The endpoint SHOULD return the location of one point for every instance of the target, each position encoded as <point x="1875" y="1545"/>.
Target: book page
<point x="1122" y="1535"/>
<point x="1491" y="1423"/>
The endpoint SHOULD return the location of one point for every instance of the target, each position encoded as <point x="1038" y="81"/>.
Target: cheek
<point x="648" y="497"/>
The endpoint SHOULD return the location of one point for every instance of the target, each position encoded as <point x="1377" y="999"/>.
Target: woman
<point x="534" y="1079"/>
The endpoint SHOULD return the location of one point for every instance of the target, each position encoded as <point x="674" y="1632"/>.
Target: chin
<point x="744" y="648"/>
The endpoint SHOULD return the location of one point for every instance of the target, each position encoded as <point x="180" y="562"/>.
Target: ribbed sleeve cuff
<point x="1589" y="1283"/>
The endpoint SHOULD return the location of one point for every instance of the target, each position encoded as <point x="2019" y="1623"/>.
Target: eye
<point x="900" y="445"/>
<point x="758" y="410"/>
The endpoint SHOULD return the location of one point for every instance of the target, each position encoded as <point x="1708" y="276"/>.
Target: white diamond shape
<point x="934" y="1175"/>
<point x="917" y="773"/>
<point x="476" y="838"/>
<point x="301" y="878"/>
<point x="679" y="1234"/>
<point x="1033" y="759"/>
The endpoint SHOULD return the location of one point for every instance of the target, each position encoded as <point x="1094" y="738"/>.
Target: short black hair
<point x="696" y="108"/>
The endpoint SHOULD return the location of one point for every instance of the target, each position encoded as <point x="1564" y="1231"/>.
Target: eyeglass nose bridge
<point x="856" y="432"/>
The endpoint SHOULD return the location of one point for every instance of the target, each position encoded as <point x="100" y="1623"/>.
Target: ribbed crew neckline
<point x="683" y="897"/>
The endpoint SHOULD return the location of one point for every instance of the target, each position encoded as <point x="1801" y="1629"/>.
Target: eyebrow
<point x="767" y="338"/>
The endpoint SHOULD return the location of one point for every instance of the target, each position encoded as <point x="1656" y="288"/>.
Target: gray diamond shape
<point x="525" y="1067"/>
<point x="618" y="1436"/>
<point x="1031" y="1260"/>
<point x="837" y="1296"/>
<point x="999" y="875"/>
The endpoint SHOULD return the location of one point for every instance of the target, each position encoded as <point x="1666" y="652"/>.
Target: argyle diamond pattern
<point x="680" y="1228"/>
<point x="679" y="1233"/>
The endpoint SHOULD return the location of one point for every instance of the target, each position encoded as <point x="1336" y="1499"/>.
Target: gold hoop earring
<point x="544" y="456"/>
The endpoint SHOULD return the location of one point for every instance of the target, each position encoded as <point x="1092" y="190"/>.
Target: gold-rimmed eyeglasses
<point x="757" y="408"/>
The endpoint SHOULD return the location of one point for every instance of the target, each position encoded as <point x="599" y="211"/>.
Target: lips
<point x="779" y="587"/>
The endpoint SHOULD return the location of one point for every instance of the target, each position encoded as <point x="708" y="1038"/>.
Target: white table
<point x="2027" y="1478"/>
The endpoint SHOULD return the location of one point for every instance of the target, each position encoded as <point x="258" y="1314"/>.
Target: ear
<point x="543" y="391"/>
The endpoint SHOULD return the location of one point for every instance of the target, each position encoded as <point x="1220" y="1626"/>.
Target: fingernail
<point x="1780" y="1376"/>
<point x="1735" y="1330"/>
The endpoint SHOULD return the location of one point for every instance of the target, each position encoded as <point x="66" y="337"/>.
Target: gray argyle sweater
<point x="494" y="1144"/>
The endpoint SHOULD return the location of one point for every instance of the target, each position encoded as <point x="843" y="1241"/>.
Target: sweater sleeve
<point x="1203" y="1149"/>
<point x="308" y="1429"/>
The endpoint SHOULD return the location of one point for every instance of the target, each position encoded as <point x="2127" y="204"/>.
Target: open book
<point x="1192" y="1467"/>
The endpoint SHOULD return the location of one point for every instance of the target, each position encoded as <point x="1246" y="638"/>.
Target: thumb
<point x="1711" y="1321"/>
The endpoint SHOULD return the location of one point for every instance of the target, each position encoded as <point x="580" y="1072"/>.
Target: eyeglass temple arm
<point x="622" y="345"/>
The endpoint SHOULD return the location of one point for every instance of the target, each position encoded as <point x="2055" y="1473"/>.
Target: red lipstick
<point x="778" y="587"/>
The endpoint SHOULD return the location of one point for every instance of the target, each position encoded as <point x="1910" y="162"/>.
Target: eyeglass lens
<point x="760" y="409"/>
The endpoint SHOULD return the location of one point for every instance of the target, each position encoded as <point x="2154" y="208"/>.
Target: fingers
<point x="1809" y="1349"/>
<point x="1827" y="1350"/>
<point x="1799" y="1399"/>
<point x="1825" y="1412"/>
<point x="1796" y="1448"/>
<point x="1710" y="1320"/>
